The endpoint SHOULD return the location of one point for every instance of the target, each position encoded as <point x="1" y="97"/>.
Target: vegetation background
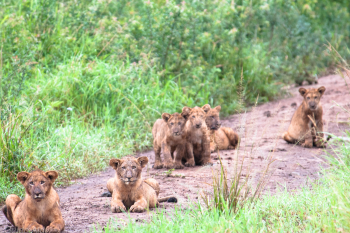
<point x="83" y="81"/>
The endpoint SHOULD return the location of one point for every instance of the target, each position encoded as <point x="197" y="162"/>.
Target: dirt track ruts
<point x="294" y="167"/>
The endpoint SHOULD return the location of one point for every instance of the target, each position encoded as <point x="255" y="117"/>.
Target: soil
<point x="260" y="129"/>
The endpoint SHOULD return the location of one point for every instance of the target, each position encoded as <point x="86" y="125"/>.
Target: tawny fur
<point x="128" y="189"/>
<point x="302" y="130"/>
<point x="39" y="211"/>
<point x="169" y="137"/>
<point x="222" y="138"/>
<point x="198" y="142"/>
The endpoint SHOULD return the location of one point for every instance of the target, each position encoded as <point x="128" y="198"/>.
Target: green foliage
<point x="11" y="161"/>
<point x="202" y="44"/>
<point x="339" y="179"/>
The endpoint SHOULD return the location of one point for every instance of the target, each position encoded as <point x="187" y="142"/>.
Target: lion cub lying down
<point x="306" y="126"/>
<point x="127" y="188"/>
<point x="39" y="209"/>
<point x="222" y="138"/>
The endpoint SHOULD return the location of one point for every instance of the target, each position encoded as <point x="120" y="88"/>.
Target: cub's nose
<point x="198" y="125"/>
<point x="37" y="191"/>
<point x="129" y="175"/>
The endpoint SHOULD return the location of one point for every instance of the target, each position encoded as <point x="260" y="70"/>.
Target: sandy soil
<point x="261" y="128"/>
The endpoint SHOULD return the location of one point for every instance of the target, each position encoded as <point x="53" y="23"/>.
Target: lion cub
<point x="222" y="138"/>
<point x="127" y="188"/>
<point x="198" y="142"/>
<point x="39" y="210"/>
<point x="302" y="129"/>
<point x="168" y="136"/>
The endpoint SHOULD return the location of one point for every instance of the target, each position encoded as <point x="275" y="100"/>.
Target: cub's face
<point x="176" y="122"/>
<point x="312" y="96"/>
<point x="196" y="116"/>
<point x="129" y="169"/>
<point x="38" y="183"/>
<point x="212" y="118"/>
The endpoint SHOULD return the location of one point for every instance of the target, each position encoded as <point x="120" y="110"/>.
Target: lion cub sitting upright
<point x="39" y="209"/>
<point x="169" y="136"/>
<point x="198" y="142"/>
<point x="302" y="129"/>
<point x="128" y="189"/>
<point x="222" y="138"/>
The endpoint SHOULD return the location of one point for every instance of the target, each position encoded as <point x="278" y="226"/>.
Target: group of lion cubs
<point x="193" y="135"/>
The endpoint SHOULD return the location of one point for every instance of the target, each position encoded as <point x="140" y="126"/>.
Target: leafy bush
<point x="204" y="45"/>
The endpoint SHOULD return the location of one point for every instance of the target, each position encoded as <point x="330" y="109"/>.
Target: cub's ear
<point x="143" y="161"/>
<point x="22" y="177"/>
<point x="321" y="90"/>
<point x="52" y="175"/>
<point x="114" y="163"/>
<point x="302" y="91"/>
<point x="206" y="108"/>
<point x="185" y="112"/>
<point x="166" y="116"/>
<point x="218" y="108"/>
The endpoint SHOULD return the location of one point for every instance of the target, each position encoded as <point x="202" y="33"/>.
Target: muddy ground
<point x="260" y="129"/>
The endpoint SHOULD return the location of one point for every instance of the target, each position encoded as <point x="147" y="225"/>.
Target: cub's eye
<point x="179" y="123"/>
<point x="193" y="116"/>
<point x="308" y="98"/>
<point x="316" y="97"/>
<point x="212" y="117"/>
<point x="42" y="182"/>
<point x="123" y="168"/>
<point x="31" y="183"/>
<point x="171" y="123"/>
<point x="133" y="167"/>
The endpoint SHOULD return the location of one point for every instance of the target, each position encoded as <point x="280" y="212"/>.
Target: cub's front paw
<point x="136" y="209"/>
<point x="307" y="145"/>
<point x="168" y="165"/>
<point x="178" y="165"/>
<point x="35" y="228"/>
<point x="321" y="144"/>
<point x="118" y="208"/>
<point x="190" y="163"/>
<point x="158" y="165"/>
<point x="52" y="229"/>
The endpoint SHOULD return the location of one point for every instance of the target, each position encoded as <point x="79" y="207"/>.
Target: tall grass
<point x="201" y="44"/>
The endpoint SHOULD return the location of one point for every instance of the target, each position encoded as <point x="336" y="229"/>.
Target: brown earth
<point x="294" y="166"/>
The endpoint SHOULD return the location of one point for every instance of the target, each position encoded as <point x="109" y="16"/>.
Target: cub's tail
<point x="232" y="136"/>
<point x="8" y="214"/>
<point x="167" y="199"/>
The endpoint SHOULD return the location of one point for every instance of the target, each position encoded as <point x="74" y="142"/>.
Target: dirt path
<point x="294" y="166"/>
